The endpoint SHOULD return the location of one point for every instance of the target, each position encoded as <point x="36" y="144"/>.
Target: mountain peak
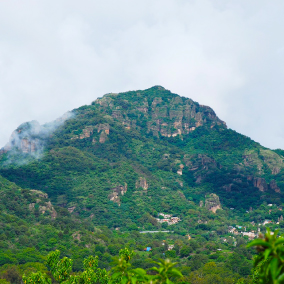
<point x="158" y="87"/>
<point x="160" y="111"/>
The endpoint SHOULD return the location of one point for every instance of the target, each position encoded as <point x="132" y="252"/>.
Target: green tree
<point x="122" y="272"/>
<point x="61" y="271"/>
<point x="269" y="263"/>
<point x="166" y="271"/>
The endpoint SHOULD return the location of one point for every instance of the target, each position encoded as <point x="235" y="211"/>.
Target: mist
<point x="28" y="141"/>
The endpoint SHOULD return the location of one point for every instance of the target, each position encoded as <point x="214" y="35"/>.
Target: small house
<point x="147" y="249"/>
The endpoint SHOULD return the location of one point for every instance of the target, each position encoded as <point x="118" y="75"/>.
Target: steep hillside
<point x="127" y="157"/>
<point x="31" y="226"/>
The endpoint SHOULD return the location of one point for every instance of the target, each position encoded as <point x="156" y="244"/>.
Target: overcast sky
<point x="58" y="55"/>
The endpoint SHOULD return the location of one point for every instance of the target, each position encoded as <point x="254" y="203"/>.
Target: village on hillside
<point x="167" y="218"/>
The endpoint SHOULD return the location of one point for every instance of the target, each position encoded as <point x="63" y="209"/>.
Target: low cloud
<point x="226" y="54"/>
<point x="28" y="141"/>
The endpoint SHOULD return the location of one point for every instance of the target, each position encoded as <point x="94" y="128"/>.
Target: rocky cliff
<point x="162" y="112"/>
<point x="212" y="202"/>
<point x="27" y="138"/>
<point x="30" y="137"/>
<point x="116" y="192"/>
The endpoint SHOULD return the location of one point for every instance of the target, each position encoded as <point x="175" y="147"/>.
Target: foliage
<point x="61" y="271"/>
<point x="110" y="170"/>
<point x="269" y="264"/>
<point x="122" y="273"/>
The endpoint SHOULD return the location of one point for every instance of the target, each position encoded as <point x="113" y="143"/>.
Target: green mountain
<point x="129" y="156"/>
<point x="147" y="160"/>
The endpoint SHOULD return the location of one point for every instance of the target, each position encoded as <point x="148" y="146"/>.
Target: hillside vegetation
<point x="132" y="162"/>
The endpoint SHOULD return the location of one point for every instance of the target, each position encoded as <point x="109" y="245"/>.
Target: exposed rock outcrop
<point x="87" y="132"/>
<point x="30" y="137"/>
<point x="76" y="236"/>
<point x="102" y="129"/>
<point x="26" y="138"/>
<point x="260" y="183"/>
<point x="103" y="137"/>
<point x="200" y="161"/>
<point x="117" y="192"/>
<point x="272" y="160"/>
<point x="48" y="207"/>
<point x="45" y="206"/>
<point x="212" y="202"/>
<point x="142" y="182"/>
<point x="273" y="185"/>
<point x="71" y="209"/>
<point x="251" y="159"/>
<point x="165" y="114"/>
<point x="39" y="193"/>
<point x="200" y="164"/>
<point x="179" y="172"/>
<point x="257" y="159"/>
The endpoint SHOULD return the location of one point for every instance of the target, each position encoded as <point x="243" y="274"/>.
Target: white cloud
<point x="56" y="56"/>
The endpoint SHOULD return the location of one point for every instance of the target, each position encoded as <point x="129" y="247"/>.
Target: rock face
<point x="200" y="164"/>
<point x="117" y="192"/>
<point x="254" y="158"/>
<point x="26" y="138"/>
<point x="273" y="185"/>
<point x="45" y="206"/>
<point x="165" y="114"/>
<point x="142" y="182"/>
<point x="260" y="183"/>
<point x="200" y="161"/>
<point x="103" y="127"/>
<point x="212" y="202"/>
<point x="88" y="131"/>
<point x="30" y="137"/>
<point x="272" y="160"/>
<point x="179" y="171"/>
<point x="71" y="209"/>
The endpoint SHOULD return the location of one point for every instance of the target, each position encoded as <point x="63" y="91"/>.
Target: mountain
<point x="145" y="160"/>
<point x="130" y="155"/>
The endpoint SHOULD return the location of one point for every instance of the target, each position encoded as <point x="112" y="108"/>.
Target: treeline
<point x="121" y="270"/>
<point x="268" y="268"/>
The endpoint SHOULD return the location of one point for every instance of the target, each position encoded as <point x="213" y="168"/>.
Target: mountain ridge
<point x="153" y="102"/>
<point x="144" y="161"/>
<point x="153" y="135"/>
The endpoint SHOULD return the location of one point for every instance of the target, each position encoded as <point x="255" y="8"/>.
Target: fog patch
<point x="28" y="141"/>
